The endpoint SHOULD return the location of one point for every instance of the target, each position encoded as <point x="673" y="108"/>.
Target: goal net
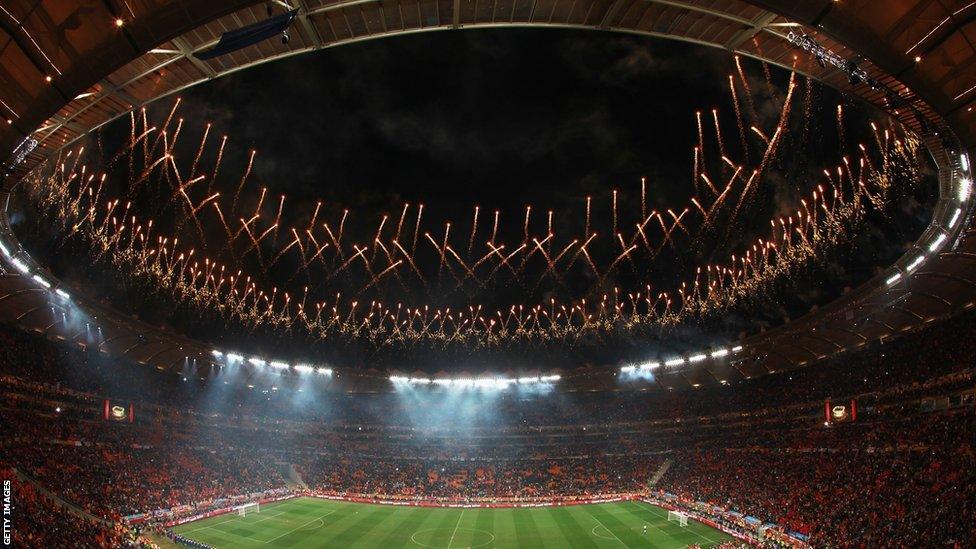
<point x="681" y="518"/>
<point x="248" y="508"/>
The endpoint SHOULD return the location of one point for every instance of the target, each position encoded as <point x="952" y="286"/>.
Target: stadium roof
<point x="67" y="68"/>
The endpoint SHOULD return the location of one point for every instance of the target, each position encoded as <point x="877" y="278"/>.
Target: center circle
<point x="443" y="538"/>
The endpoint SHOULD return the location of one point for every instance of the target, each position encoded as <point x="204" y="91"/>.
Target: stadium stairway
<point x="292" y="478"/>
<point x="659" y="474"/>
<point x="44" y="492"/>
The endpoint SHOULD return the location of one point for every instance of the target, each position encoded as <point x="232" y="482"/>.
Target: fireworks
<point x="244" y="256"/>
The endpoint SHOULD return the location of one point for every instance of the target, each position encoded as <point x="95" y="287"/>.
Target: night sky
<point x="502" y="119"/>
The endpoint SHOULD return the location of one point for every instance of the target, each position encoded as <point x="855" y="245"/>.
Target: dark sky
<point x="502" y="119"/>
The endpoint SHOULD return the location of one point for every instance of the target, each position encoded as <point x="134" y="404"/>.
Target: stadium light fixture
<point x="628" y="369"/>
<point x="696" y="358"/>
<point x="965" y="186"/>
<point x="964" y="162"/>
<point x="323" y="371"/>
<point x="20" y="265"/>
<point x="719" y="353"/>
<point x="305" y="368"/>
<point x="40" y="280"/>
<point x="480" y="383"/>
<point x="915" y="263"/>
<point x="255" y="361"/>
<point x="279" y="364"/>
<point x="63" y="294"/>
<point x="955" y="217"/>
<point x="737" y="348"/>
<point x="650" y="365"/>
<point x="4" y="249"/>
<point x="216" y="353"/>
<point x="894" y="278"/>
<point x="937" y="242"/>
<point x="674" y="362"/>
<point x="234" y="357"/>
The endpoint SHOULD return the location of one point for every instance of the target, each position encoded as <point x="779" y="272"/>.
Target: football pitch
<point x="312" y="522"/>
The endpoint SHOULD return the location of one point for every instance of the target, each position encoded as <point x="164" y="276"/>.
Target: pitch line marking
<point x="302" y="526"/>
<point x="461" y="516"/>
<point x="649" y="510"/>
<point x="491" y="537"/>
<point x="607" y="529"/>
<point x="232" y="519"/>
<point x="601" y="536"/>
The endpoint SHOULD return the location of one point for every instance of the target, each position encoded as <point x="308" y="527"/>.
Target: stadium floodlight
<point x="937" y="242"/>
<point x="305" y="368"/>
<point x="399" y="379"/>
<point x="234" y="357"/>
<point x="894" y="278"/>
<point x="216" y="353"/>
<point x="20" y="265"/>
<point x="4" y="249"/>
<point x="278" y="364"/>
<point x="650" y="365"/>
<point x="528" y="380"/>
<point x="737" y="348"/>
<point x="63" y="294"/>
<point x="628" y="369"/>
<point x="965" y="186"/>
<point x="955" y="217"/>
<point x="915" y="263"/>
<point x="255" y="361"/>
<point x="674" y="362"/>
<point x="419" y="380"/>
<point x="323" y="371"/>
<point x="547" y="379"/>
<point x="442" y="381"/>
<point x="40" y="280"/>
<point x="964" y="162"/>
<point x="696" y="358"/>
<point x="719" y="353"/>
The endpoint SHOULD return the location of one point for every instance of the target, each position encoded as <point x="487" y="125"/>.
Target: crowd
<point x="41" y="522"/>
<point x="902" y="474"/>
<point x="912" y="481"/>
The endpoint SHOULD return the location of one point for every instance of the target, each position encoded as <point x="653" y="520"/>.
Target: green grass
<point x="313" y="522"/>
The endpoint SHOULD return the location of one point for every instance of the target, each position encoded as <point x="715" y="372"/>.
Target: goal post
<point x="248" y="508"/>
<point x="679" y="517"/>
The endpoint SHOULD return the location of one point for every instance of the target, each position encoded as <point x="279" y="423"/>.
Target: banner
<point x="114" y="411"/>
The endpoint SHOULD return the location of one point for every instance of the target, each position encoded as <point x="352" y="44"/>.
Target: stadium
<point x="570" y="273"/>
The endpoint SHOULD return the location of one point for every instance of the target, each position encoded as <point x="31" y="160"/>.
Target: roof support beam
<point x="745" y="35"/>
<point x="306" y="24"/>
<point x="611" y="13"/>
<point x="187" y="52"/>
